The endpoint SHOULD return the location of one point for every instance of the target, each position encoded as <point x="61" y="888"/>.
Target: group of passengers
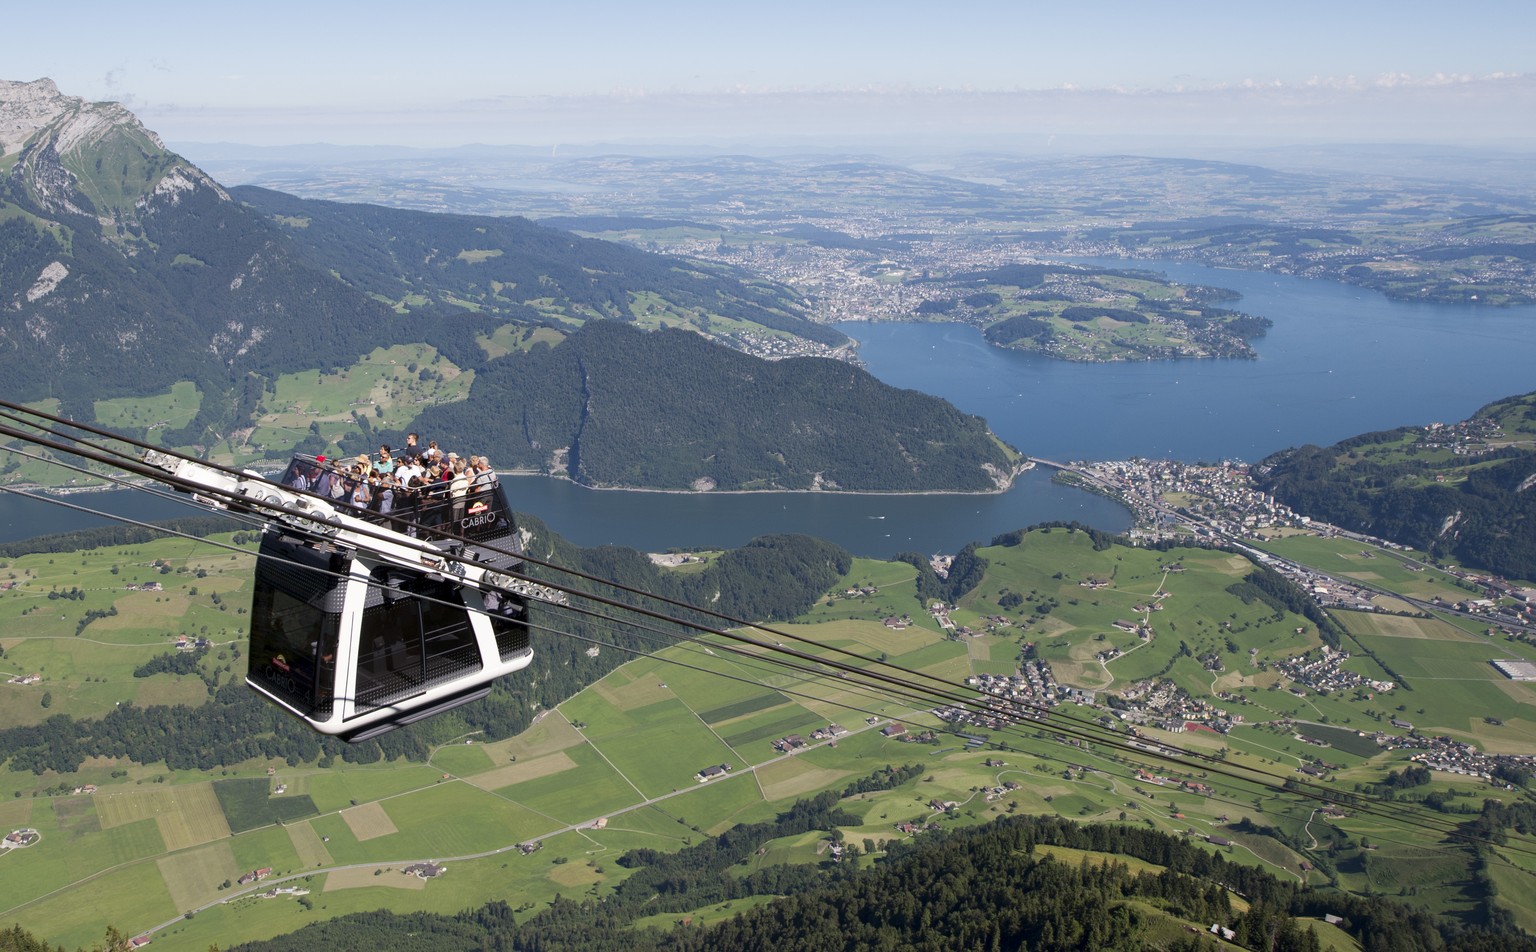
<point x="416" y="484"/>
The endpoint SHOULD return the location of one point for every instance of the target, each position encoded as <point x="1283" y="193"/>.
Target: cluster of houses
<point x="184" y="643"/>
<point x="1231" y="501"/>
<point x="1467" y="438"/>
<point x="710" y="773"/>
<point x="1188" y="786"/>
<point x="26" y="679"/>
<point x="254" y="876"/>
<point x="1322" y="671"/>
<point x="1030" y="694"/>
<point x="144" y="587"/>
<point x="1001" y="790"/>
<point x="793" y="742"/>
<point x="1457" y="757"/>
<point x="1163" y="704"/>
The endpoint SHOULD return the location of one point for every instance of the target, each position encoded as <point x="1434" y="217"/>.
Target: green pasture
<point x="658" y="748"/>
<point x="382" y="387"/>
<point x="511" y="877"/>
<point x="73" y="849"/>
<point x="514" y="337"/>
<point x="336" y="789"/>
<point x="1048" y="569"/>
<point x="271" y="846"/>
<point x="461" y="759"/>
<point x="748" y="705"/>
<point x="249" y="803"/>
<point x="171" y="410"/>
<point x="1383" y="568"/>
<point x="591" y="790"/>
<point x="1517" y="891"/>
<point x="89" y="670"/>
<point x="446" y="819"/>
<point x="752" y="737"/>
<point x="641" y="681"/>
<point x="124" y="895"/>
<point x="718" y="805"/>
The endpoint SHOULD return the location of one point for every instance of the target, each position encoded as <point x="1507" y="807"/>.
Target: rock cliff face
<point x="27" y="107"/>
<point x="90" y="159"/>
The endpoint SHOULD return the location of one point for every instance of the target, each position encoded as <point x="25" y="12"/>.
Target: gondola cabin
<point x="364" y="628"/>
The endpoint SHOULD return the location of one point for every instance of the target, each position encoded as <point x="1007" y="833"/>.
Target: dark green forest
<point x="983" y="887"/>
<point x="668" y="408"/>
<point x="1478" y="511"/>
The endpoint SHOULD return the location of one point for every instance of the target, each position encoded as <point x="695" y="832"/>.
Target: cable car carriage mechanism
<point x="361" y="622"/>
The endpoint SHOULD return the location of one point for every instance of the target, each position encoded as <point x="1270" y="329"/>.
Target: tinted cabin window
<point x="509" y="621"/>
<point x="418" y="637"/>
<point x="293" y="650"/>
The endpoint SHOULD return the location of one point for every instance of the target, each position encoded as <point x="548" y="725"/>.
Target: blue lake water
<point x="1338" y="361"/>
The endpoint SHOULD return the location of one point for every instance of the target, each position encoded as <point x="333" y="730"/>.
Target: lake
<point x="876" y="525"/>
<point x="1338" y="361"/>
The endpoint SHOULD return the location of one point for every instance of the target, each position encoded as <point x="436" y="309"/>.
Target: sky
<point x="591" y="71"/>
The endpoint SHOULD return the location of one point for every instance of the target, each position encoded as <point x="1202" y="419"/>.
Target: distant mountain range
<point x="124" y="269"/>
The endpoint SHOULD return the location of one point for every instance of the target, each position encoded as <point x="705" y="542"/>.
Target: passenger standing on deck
<point x="386" y="497"/>
<point x="411" y="450"/>
<point x="408" y="503"/>
<point x="386" y="463"/>
<point x="434" y="497"/>
<point x="361" y="496"/>
<point x="484" y="476"/>
<point x="408" y="469"/>
<point x="458" y="490"/>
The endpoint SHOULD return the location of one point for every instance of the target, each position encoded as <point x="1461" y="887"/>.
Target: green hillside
<point x="1460" y="492"/>
<point x="516" y="270"/>
<point x="701" y="416"/>
<point x="145" y="299"/>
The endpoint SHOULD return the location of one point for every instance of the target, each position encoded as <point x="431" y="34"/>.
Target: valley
<point x="1261" y="684"/>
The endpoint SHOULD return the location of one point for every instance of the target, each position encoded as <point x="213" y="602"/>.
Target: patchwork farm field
<point x="627" y="750"/>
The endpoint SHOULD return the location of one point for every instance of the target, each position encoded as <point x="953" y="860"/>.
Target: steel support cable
<point x="964" y="700"/>
<point x="1080" y="728"/>
<point x="1284" y="795"/>
<point x="913" y="695"/>
<point x="975" y="703"/>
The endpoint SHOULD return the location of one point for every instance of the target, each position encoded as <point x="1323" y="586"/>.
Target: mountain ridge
<point x="130" y="271"/>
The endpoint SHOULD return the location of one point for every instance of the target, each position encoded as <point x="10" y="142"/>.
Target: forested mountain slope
<point x="125" y="269"/>
<point x="514" y="269"/>
<point x="1465" y="492"/>
<point x="614" y="406"/>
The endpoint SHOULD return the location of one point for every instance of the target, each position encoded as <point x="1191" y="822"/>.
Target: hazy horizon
<point x="1005" y="76"/>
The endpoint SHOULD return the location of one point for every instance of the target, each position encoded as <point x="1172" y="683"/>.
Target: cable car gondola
<point x="360" y="622"/>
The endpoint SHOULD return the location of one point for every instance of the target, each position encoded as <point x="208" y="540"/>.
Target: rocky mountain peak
<point x="89" y="158"/>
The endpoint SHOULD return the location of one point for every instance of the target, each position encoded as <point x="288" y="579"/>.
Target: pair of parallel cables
<point x="811" y="663"/>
